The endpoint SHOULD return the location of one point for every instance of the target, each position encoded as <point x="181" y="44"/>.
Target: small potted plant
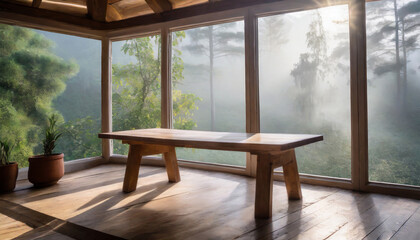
<point x="47" y="169"/>
<point x="8" y="170"/>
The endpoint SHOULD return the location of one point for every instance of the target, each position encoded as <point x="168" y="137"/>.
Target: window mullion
<point x="358" y="86"/>
<point x="251" y="84"/>
<point x="166" y="83"/>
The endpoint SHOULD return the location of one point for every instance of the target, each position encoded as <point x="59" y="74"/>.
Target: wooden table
<point x="272" y="150"/>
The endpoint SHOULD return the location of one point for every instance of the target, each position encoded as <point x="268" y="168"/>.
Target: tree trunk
<point x="404" y="81"/>
<point x="397" y="55"/>
<point x="212" y="101"/>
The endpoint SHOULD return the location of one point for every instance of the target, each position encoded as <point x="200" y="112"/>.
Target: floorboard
<point x="205" y="205"/>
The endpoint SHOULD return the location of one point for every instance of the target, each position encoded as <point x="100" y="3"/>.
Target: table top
<point x="245" y="142"/>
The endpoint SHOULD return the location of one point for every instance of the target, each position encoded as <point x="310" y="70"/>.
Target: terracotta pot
<point x="46" y="170"/>
<point x="8" y="176"/>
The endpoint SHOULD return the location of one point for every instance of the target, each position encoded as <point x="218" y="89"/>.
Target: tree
<point x="80" y="138"/>
<point x="136" y="97"/>
<point x="80" y="102"/>
<point x="215" y="42"/>
<point x="31" y="77"/>
<point x="319" y="90"/>
<point x="393" y="35"/>
<point x="311" y="67"/>
<point x="393" y="41"/>
<point x="271" y="32"/>
<point x="408" y="15"/>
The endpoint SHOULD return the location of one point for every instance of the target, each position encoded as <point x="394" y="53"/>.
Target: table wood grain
<point x="245" y="142"/>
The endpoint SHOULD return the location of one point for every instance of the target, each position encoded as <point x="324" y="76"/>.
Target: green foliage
<point x="52" y="134"/>
<point x="183" y="109"/>
<point x="331" y="157"/>
<point x="31" y="77"/>
<point x="5" y="152"/>
<point x="80" y="103"/>
<point x="136" y="99"/>
<point x="80" y="138"/>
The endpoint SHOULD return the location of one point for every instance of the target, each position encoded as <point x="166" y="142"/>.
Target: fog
<point x="283" y="109"/>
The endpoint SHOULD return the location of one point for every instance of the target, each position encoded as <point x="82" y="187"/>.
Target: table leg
<point x="291" y="178"/>
<point x="264" y="186"/>
<point x="171" y="164"/>
<point x="132" y="168"/>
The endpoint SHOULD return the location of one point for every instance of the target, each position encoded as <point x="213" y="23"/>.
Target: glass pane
<point x="393" y="49"/>
<point x="135" y="86"/>
<point x="208" y="77"/>
<point x="304" y="84"/>
<point x="44" y="73"/>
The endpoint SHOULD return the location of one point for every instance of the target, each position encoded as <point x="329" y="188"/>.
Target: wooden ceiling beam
<point x="133" y="10"/>
<point x="97" y="9"/>
<point x="102" y="11"/>
<point x="112" y="14"/>
<point x="159" y="6"/>
<point x="48" y="15"/>
<point x="192" y="11"/>
<point x="77" y="2"/>
<point x="36" y="3"/>
<point x="66" y="8"/>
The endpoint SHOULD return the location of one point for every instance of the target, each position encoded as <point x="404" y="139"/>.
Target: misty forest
<point x="304" y="75"/>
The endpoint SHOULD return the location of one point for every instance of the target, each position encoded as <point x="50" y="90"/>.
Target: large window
<point x="208" y="85"/>
<point x="136" y="92"/>
<point x="304" y="84"/>
<point x="393" y="49"/>
<point x="43" y="73"/>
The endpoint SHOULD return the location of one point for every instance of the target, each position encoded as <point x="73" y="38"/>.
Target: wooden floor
<point x="205" y="205"/>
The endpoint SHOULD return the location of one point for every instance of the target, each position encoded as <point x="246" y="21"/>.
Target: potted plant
<point x="8" y="170"/>
<point x="47" y="169"/>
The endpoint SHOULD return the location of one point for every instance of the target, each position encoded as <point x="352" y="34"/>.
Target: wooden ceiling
<point x="108" y="10"/>
<point x="96" y="16"/>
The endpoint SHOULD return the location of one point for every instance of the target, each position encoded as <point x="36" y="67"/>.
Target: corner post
<point x="106" y="97"/>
